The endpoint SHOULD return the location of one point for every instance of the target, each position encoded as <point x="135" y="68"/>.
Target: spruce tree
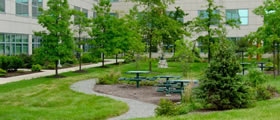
<point x="221" y="87"/>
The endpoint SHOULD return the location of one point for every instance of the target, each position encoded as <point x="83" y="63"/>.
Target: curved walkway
<point x="137" y="109"/>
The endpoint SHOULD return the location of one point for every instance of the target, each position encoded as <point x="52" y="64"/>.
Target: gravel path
<point x="137" y="109"/>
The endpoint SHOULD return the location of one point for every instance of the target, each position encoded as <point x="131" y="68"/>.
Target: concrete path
<point x="52" y="72"/>
<point x="137" y="109"/>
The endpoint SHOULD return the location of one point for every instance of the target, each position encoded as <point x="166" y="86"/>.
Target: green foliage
<point x="110" y="78"/>
<point x="10" y="63"/>
<point x="57" y="38"/>
<point x="27" y="60"/>
<point x="202" y="24"/>
<point x="166" y="107"/>
<point x="221" y="87"/>
<point x="89" y="58"/>
<point x="2" y="72"/>
<point x="255" y="77"/>
<point x="36" y="68"/>
<point x="185" y="55"/>
<point x="72" y="60"/>
<point x="262" y="93"/>
<point x="269" y="66"/>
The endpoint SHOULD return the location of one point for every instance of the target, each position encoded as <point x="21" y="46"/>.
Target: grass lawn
<point x="52" y="99"/>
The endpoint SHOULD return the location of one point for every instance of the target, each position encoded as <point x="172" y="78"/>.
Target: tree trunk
<point x="56" y="68"/>
<point x="209" y="51"/>
<point x="80" y="59"/>
<point x="103" y="60"/>
<point x="150" y="56"/>
<point x="274" y="61"/>
<point x="116" y="58"/>
<point x="278" y="69"/>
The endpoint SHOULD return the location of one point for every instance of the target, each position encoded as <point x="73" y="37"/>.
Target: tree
<point x="211" y="21"/>
<point x="156" y="25"/>
<point x="57" y="40"/>
<point x="270" y="11"/>
<point x="81" y="23"/>
<point x="221" y="88"/>
<point x="102" y="30"/>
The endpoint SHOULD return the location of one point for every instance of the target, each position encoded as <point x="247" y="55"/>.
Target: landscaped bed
<point x="144" y="93"/>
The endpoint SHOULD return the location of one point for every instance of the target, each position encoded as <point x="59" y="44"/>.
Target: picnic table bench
<point x="138" y="78"/>
<point x="262" y="65"/>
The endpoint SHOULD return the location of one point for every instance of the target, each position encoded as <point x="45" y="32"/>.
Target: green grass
<point x="49" y="98"/>
<point x="52" y="99"/>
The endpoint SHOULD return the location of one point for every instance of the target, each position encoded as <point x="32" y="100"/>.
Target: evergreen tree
<point x="221" y="87"/>
<point x="57" y="40"/>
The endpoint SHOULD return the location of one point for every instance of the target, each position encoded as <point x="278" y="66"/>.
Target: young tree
<point x="270" y="11"/>
<point x="102" y="30"/>
<point x="57" y="40"/>
<point x="81" y="23"/>
<point x="211" y="21"/>
<point x="221" y="88"/>
<point x="156" y="25"/>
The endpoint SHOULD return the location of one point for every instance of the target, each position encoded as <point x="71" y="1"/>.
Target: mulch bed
<point x="144" y="93"/>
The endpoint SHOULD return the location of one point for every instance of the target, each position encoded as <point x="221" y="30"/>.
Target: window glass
<point x="2" y="5"/>
<point x="2" y="47"/>
<point x="85" y="11"/>
<point x="1" y="37"/>
<point x="22" y="7"/>
<point x="36" y="4"/>
<point x="204" y="15"/>
<point x="114" y="0"/>
<point x="238" y="14"/>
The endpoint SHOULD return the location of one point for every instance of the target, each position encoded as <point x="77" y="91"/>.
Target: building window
<point x="36" y="42"/>
<point x="171" y="14"/>
<point x="114" y="14"/>
<point x="203" y="14"/>
<point x="94" y="15"/>
<point x="36" y="4"/>
<point x="22" y="7"/>
<point x="238" y="14"/>
<point x="13" y="44"/>
<point x="85" y="11"/>
<point x="2" y="5"/>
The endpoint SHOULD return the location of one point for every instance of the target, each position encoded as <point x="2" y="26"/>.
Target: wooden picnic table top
<point x="138" y="72"/>
<point x="167" y="76"/>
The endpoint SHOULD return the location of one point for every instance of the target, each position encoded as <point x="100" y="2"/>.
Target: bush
<point x="89" y="58"/>
<point x="36" y="68"/>
<point x="50" y="66"/>
<point x="166" y="107"/>
<point x="221" y="88"/>
<point x="262" y="93"/>
<point x="269" y="66"/>
<point x="109" y="79"/>
<point x="10" y="63"/>
<point x="70" y="61"/>
<point x="2" y="72"/>
<point x="27" y="60"/>
<point x="255" y="77"/>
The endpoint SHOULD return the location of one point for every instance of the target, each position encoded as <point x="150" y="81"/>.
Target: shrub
<point x="255" y="77"/>
<point x="36" y="68"/>
<point x="262" y="93"/>
<point x="72" y="60"/>
<point x="2" y="72"/>
<point x="269" y="66"/>
<point x="27" y="60"/>
<point x="10" y="63"/>
<point x="89" y="58"/>
<point x="111" y="78"/>
<point x="166" y="107"/>
<point x="50" y="66"/>
<point x="221" y="88"/>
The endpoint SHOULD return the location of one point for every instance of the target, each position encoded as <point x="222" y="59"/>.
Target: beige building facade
<point x="18" y="18"/>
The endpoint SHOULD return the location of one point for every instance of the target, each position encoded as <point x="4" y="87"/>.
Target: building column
<point x="30" y="8"/>
<point x="29" y="44"/>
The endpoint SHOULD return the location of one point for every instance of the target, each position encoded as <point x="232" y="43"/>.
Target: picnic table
<point x="138" y="78"/>
<point x="261" y="65"/>
<point x="167" y="84"/>
<point x="243" y="67"/>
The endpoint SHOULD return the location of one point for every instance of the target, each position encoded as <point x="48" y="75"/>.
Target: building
<point x="18" y="18"/>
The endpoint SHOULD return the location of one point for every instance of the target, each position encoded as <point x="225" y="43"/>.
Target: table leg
<point x="262" y="66"/>
<point x="137" y="83"/>
<point x="167" y="88"/>
<point x="243" y="69"/>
